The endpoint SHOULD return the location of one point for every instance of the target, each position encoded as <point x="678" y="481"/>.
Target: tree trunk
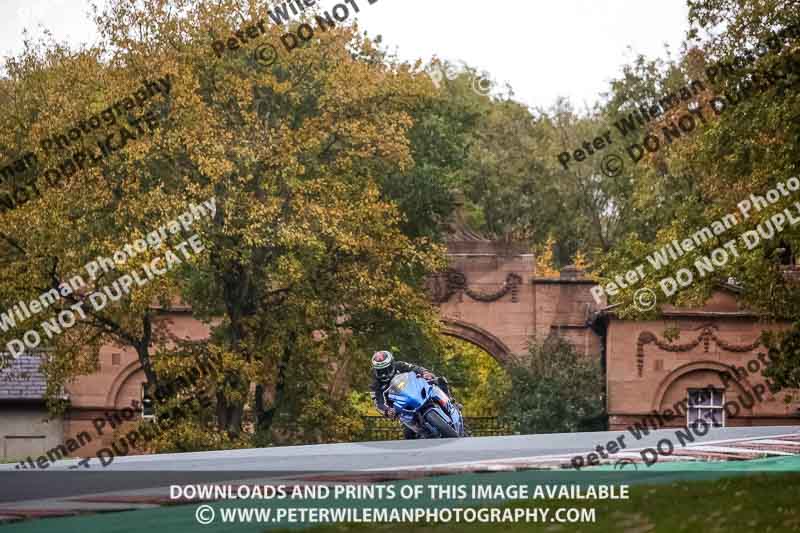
<point x="143" y="352"/>
<point x="265" y="417"/>
<point x="229" y="416"/>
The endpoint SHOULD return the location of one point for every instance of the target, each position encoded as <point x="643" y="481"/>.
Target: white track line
<point x="774" y="441"/>
<point x="568" y="457"/>
<point x="725" y="449"/>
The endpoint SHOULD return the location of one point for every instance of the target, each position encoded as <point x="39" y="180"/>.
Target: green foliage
<point x="784" y="357"/>
<point x="517" y="189"/>
<point x="477" y="380"/>
<point x="333" y="172"/>
<point x="440" y="137"/>
<point x="189" y="435"/>
<point x="321" y="421"/>
<point x="556" y="390"/>
<point x="746" y="150"/>
<point x="314" y="250"/>
<point x="361" y="402"/>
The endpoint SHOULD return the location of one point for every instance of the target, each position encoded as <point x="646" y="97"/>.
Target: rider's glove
<point x="427" y="375"/>
<point x="391" y="412"/>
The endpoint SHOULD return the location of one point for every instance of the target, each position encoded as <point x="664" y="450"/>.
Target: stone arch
<point x="480" y="337"/>
<point x="124" y="376"/>
<point x="696" y="366"/>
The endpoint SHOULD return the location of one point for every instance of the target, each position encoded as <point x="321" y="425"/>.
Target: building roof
<point x="22" y="379"/>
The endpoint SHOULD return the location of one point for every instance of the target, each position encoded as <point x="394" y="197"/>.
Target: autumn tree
<point x="303" y="245"/>
<point x="80" y="214"/>
<point x="516" y="187"/>
<point x="747" y="146"/>
<point x="306" y="261"/>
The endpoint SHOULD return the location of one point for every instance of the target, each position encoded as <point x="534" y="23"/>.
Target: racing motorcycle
<point x="424" y="407"/>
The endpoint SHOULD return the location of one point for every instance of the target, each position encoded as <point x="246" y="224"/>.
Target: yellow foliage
<point x="545" y="260"/>
<point x="303" y="241"/>
<point x="581" y="262"/>
<point x="478" y="381"/>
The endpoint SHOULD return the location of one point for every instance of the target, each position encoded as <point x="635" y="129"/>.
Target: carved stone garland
<point x="707" y="334"/>
<point x="444" y="285"/>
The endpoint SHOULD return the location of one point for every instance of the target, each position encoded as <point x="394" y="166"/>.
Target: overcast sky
<point x="543" y="48"/>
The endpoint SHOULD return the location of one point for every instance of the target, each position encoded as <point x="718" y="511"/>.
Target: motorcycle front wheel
<point x="444" y="429"/>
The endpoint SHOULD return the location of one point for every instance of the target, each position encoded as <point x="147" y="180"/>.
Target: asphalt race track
<point x="146" y="471"/>
<point x="347" y="457"/>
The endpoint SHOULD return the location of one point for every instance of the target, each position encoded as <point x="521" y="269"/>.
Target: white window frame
<point x="710" y="405"/>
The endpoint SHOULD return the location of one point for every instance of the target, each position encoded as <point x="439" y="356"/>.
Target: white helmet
<point x="383" y="365"/>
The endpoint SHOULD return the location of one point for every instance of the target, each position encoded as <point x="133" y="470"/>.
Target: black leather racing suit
<point x="378" y="388"/>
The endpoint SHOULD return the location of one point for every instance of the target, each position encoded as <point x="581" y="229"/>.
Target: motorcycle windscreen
<point x="406" y="391"/>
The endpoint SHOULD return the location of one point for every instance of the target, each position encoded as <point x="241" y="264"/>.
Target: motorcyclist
<point x="384" y="368"/>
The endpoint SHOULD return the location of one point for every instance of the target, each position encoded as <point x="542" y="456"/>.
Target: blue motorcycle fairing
<point x="407" y="391"/>
<point x="409" y="395"/>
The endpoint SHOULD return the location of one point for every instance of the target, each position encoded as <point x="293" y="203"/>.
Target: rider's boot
<point x="442" y="383"/>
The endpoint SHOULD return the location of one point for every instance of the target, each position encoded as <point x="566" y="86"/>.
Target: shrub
<point x="556" y="390"/>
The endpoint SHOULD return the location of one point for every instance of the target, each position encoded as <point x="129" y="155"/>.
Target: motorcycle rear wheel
<point x="444" y="429"/>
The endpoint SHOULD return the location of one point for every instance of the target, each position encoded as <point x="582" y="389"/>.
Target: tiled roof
<point x="22" y="379"/>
